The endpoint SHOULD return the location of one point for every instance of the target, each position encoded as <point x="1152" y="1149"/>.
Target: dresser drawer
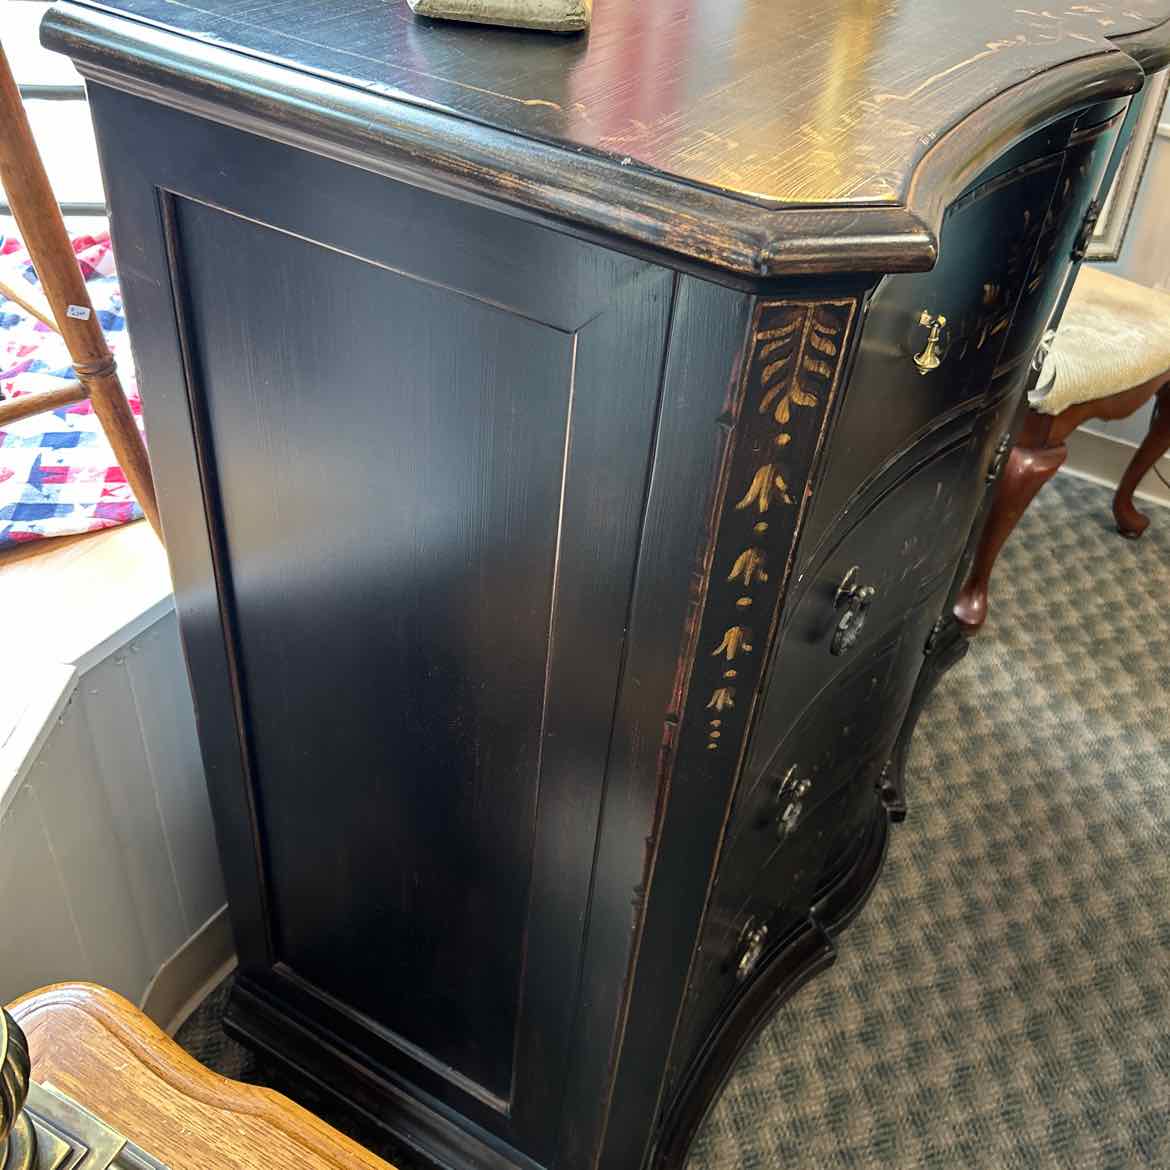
<point x="838" y="728"/>
<point x="861" y="587"/>
<point x="739" y="935"/>
<point x="895" y="400"/>
<point x="769" y="880"/>
<point x="778" y="834"/>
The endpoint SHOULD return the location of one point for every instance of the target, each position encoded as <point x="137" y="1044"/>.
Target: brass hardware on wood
<point x="1042" y="350"/>
<point x="789" y="818"/>
<point x="852" y="620"/>
<point x="847" y="587"/>
<point x="752" y="943"/>
<point x="931" y="357"/>
<point x="43" y="1129"/>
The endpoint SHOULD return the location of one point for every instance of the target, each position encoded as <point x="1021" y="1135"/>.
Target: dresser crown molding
<point x="903" y="106"/>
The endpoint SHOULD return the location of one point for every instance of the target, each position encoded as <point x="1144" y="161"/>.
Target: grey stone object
<point x="550" y="15"/>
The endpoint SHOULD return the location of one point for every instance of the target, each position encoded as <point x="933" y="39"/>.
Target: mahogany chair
<point x="1108" y="358"/>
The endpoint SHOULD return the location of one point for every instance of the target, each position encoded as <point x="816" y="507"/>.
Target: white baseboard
<point x="195" y="969"/>
<point x="1103" y="459"/>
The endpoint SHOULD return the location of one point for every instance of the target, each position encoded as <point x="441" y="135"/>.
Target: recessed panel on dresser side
<point x="404" y="476"/>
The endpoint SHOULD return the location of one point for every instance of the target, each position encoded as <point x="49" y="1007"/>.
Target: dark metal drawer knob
<point x="999" y="458"/>
<point x="790" y="803"/>
<point x="857" y="599"/>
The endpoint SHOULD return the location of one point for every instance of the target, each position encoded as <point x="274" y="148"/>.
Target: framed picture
<point x="1118" y="206"/>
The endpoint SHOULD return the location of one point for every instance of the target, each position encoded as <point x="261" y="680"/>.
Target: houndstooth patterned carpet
<point x="1003" y="1002"/>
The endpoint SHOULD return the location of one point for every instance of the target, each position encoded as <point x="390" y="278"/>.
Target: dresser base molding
<point x="804" y="954"/>
<point x="384" y="1112"/>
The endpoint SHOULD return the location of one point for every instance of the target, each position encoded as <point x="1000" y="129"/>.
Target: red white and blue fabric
<point x="58" y="475"/>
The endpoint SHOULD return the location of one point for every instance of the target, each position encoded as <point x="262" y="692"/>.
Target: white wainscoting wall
<point x="108" y="866"/>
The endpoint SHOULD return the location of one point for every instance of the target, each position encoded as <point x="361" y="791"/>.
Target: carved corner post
<point x="18" y="1143"/>
<point x="797" y="350"/>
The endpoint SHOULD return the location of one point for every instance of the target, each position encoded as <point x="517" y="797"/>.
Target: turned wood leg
<point x="1028" y="470"/>
<point x="1131" y="522"/>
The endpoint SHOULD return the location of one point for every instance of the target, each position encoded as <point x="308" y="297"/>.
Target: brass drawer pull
<point x="932" y="356"/>
<point x="751" y="944"/>
<point x="850" y="624"/>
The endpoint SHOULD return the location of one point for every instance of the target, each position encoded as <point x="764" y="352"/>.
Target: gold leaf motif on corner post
<point x="765" y="483"/>
<point x="723" y="698"/>
<point x="735" y="641"/>
<point x="800" y="361"/>
<point x="749" y="566"/>
<point x="795" y="361"/>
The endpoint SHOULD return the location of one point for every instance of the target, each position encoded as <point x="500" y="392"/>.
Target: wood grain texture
<point x="43" y="401"/>
<point x="772" y="101"/>
<point x="756" y="137"/>
<point x="488" y="596"/>
<point x="94" y="1046"/>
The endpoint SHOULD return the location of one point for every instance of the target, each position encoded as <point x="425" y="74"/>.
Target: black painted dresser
<point x="568" y="448"/>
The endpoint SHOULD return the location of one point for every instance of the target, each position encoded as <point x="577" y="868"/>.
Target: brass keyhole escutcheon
<point x="932" y="355"/>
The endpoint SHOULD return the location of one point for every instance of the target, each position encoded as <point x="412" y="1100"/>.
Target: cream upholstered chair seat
<point x="1114" y="335"/>
<point x="1109" y="356"/>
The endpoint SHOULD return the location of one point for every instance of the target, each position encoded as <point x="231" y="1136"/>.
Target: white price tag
<point x="79" y="312"/>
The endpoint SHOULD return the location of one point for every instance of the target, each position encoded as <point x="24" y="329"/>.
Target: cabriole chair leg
<point x="1130" y="522"/>
<point x="1028" y="470"/>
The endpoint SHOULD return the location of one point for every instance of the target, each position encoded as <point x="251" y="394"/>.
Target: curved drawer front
<point x="931" y="340"/>
<point x="800" y="827"/>
<point x="899" y="549"/>
<point x="738" y="939"/>
<point x="1085" y="163"/>
<point x="839" y="732"/>
<point x="913" y="373"/>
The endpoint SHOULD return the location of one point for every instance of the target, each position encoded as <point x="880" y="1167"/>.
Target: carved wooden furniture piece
<point x="146" y="1105"/>
<point x="1108" y="358"/>
<point x="568" y="473"/>
<point x="70" y="313"/>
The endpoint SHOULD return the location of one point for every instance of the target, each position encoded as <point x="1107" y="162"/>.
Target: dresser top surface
<point x="773" y="100"/>
<point x="761" y="104"/>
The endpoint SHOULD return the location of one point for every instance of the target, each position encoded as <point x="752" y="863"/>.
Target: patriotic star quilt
<point x="58" y="475"/>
